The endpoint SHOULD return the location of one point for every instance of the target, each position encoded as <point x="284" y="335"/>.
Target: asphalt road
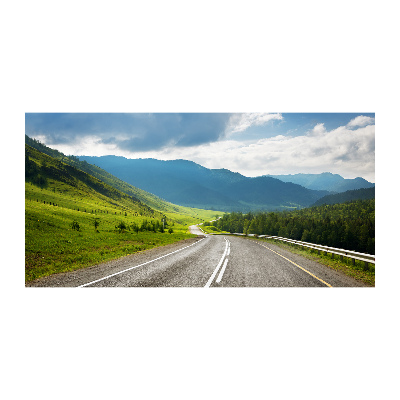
<point x="206" y="261"/>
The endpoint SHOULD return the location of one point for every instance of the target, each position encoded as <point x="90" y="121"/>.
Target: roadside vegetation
<point x="73" y="219"/>
<point x="349" y="225"/>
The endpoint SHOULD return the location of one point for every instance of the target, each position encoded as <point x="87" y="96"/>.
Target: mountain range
<point x="189" y="184"/>
<point x="167" y="185"/>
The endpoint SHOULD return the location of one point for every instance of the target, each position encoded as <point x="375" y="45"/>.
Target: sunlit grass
<point x="52" y="246"/>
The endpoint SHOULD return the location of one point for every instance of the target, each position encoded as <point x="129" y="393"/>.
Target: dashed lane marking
<point x="208" y="284"/>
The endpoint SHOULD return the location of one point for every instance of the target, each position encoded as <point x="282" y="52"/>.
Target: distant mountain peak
<point x="326" y="181"/>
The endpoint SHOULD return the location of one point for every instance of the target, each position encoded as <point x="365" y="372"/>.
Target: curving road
<point x="206" y="261"/>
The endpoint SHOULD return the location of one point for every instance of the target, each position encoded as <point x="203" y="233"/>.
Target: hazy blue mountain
<point x="349" y="195"/>
<point x="325" y="181"/>
<point x="187" y="183"/>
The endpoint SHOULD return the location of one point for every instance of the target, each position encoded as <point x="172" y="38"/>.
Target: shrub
<point x="75" y="226"/>
<point x="135" y="227"/>
<point x="121" y="226"/>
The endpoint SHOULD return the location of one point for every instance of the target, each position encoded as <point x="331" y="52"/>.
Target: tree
<point x="246" y="226"/>
<point x="96" y="223"/>
<point x="253" y="228"/>
<point x="170" y="230"/>
<point x="305" y="236"/>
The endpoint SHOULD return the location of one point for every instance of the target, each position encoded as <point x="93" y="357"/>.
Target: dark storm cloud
<point x="133" y="132"/>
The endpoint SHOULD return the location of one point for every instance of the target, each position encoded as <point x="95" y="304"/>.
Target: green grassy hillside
<point x="73" y="219"/>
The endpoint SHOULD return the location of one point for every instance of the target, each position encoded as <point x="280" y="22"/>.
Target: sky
<point x="252" y="144"/>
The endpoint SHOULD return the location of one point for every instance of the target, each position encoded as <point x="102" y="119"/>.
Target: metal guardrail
<point x="354" y="255"/>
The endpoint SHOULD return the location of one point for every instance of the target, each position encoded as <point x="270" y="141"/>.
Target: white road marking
<point x="221" y="273"/>
<point x="137" y="266"/>
<point x="208" y="284"/>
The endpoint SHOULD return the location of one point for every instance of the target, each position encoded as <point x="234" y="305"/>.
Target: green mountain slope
<point x="149" y="199"/>
<point x="71" y="186"/>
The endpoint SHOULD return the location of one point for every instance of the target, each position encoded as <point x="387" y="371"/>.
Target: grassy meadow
<point x="73" y="220"/>
<point x="211" y="229"/>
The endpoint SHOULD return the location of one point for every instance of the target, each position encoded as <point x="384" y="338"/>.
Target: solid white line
<point x="217" y="268"/>
<point x="221" y="273"/>
<point x="137" y="266"/>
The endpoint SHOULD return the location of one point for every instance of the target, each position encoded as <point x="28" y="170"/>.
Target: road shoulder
<point x="91" y="273"/>
<point x="337" y="276"/>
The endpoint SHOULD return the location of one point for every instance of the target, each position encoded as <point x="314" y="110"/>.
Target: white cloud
<point x="348" y="152"/>
<point x="361" y="120"/>
<point x="241" y="122"/>
<point x="318" y="130"/>
<point x="345" y="151"/>
<point x="89" y="146"/>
